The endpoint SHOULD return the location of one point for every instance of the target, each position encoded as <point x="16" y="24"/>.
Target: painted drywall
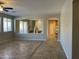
<point x="42" y="36"/>
<point x="33" y="36"/>
<point x="66" y="28"/>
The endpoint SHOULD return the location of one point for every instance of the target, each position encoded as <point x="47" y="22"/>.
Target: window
<point x="7" y="25"/>
<point x="23" y="27"/>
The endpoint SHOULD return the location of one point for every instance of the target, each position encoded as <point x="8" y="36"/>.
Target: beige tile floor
<point x="31" y="50"/>
<point x="50" y="49"/>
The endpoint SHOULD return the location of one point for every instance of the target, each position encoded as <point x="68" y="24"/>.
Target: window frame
<point x="7" y="24"/>
<point x="23" y="27"/>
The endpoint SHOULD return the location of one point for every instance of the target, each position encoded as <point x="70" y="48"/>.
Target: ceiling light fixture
<point x="1" y="9"/>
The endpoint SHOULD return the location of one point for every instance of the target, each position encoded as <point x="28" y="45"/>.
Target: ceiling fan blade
<point x="8" y="8"/>
<point x="5" y="10"/>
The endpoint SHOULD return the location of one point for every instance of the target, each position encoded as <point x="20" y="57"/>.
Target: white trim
<point x="30" y="39"/>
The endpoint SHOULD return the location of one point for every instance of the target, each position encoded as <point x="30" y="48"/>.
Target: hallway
<point x="31" y="50"/>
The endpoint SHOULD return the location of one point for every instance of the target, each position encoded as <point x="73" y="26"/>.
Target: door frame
<point x="58" y="24"/>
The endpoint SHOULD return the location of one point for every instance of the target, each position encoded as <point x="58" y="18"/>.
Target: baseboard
<point x="30" y="39"/>
<point x="62" y="48"/>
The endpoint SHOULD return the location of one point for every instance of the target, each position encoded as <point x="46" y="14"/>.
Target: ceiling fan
<point x="6" y="9"/>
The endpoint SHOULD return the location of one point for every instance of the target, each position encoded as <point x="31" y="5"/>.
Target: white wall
<point x="43" y="36"/>
<point x="32" y="36"/>
<point x="66" y="28"/>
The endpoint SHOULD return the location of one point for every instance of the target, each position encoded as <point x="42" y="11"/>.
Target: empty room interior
<point x="36" y="29"/>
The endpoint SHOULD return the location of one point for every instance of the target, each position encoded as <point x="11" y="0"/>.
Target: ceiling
<point x="34" y="7"/>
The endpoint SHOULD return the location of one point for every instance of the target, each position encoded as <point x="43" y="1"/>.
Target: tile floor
<point x="31" y="50"/>
<point x="49" y="50"/>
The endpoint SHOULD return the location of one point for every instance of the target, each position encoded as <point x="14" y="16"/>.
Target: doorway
<point x="53" y="28"/>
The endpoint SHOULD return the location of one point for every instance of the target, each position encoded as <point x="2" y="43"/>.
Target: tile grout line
<point x="35" y="50"/>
